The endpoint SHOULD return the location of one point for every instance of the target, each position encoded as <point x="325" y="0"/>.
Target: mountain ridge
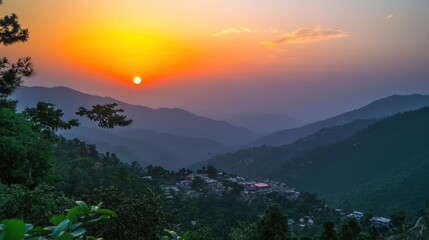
<point x="379" y="108"/>
<point x="174" y="121"/>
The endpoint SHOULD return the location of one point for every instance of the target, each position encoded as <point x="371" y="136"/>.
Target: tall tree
<point x="273" y="225"/>
<point x="329" y="232"/>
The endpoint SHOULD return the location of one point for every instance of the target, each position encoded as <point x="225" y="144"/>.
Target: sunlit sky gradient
<point x="307" y="59"/>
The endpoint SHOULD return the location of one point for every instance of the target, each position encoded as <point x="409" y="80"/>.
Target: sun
<point x="137" y="80"/>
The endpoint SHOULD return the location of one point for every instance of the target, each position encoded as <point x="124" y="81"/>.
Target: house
<point x="258" y="187"/>
<point x="356" y="215"/>
<point x="380" y="222"/>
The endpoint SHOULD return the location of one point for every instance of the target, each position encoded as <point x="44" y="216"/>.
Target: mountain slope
<point x="147" y="146"/>
<point x="377" y="109"/>
<point x="383" y="167"/>
<point x="379" y="164"/>
<point x="166" y="120"/>
<point x="262" y="161"/>
<point x="256" y="121"/>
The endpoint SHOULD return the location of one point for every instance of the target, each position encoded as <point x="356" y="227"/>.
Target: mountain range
<point x="379" y="108"/>
<point x="170" y="137"/>
<point x="377" y="164"/>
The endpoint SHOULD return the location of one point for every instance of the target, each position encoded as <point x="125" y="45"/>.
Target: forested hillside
<point x="378" y="109"/>
<point x="262" y="161"/>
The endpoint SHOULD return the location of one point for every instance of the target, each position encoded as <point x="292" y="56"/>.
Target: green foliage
<point x="48" y="119"/>
<point x="273" y="225"/>
<point x="35" y="206"/>
<point x="12" y="229"/>
<point x="106" y="115"/>
<point x="70" y="226"/>
<point x="349" y="231"/>
<point x="139" y="217"/>
<point x="82" y="168"/>
<point x="329" y="232"/>
<point x="398" y="220"/>
<point x="268" y="159"/>
<point x="24" y="151"/>
<point x="244" y="231"/>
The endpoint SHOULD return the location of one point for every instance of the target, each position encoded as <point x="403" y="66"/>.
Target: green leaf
<point x="57" y="219"/>
<point x="66" y="236"/>
<point x="28" y="227"/>
<point x="101" y="218"/>
<point x="79" y="232"/>
<point x="75" y="226"/>
<point x="39" y="231"/>
<point x="14" y="229"/>
<point x="73" y="213"/>
<point x="60" y="228"/>
<point x="83" y="206"/>
<point x="107" y="212"/>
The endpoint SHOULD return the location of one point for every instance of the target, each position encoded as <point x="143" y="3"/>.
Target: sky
<point x="306" y="59"/>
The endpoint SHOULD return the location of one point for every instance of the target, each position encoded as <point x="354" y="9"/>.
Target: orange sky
<point x="223" y="48"/>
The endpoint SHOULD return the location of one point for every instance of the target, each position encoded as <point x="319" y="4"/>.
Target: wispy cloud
<point x="388" y="17"/>
<point x="307" y="35"/>
<point x="241" y="30"/>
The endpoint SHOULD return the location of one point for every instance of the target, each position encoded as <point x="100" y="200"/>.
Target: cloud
<point x="308" y="35"/>
<point x="388" y="17"/>
<point x="241" y="30"/>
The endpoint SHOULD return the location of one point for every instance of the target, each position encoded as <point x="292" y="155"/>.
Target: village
<point x="196" y="184"/>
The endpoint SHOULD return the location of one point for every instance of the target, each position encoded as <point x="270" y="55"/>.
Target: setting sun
<point x="137" y="80"/>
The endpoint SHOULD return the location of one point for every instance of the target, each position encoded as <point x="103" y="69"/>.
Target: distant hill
<point x="166" y="120"/>
<point x="380" y="108"/>
<point x="256" y="121"/>
<point x="378" y="164"/>
<point x="147" y="146"/>
<point x="262" y="161"/>
<point x="384" y="167"/>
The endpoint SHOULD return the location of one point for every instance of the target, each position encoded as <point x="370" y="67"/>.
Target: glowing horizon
<point x="282" y="48"/>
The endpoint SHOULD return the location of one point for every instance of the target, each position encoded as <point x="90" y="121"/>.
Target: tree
<point x="25" y="155"/>
<point x="202" y="233"/>
<point x="244" y="231"/>
<point x="350" y="230"/>
<point x="328" y="231"/>
<point x="273" y="225"/>
<point x="11" y="31"/>
<point x="11" y="74"/>
<point x="398" y="220"/>
<point x="48" y="119"/>
<point x="106" y="115"/>
<point x="139" y="217"/>
<point x="35" y="206"/>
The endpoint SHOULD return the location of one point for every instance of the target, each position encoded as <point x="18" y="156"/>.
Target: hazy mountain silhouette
<point x="380" y="108"/>
<point x="147" y="146"/>
<point x="256" y="121"/>
<point x="171" y="138"/>
<point x="166" y="120"/>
